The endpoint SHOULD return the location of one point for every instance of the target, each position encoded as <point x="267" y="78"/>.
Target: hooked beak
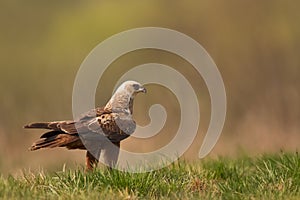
<point x="142" y="89"/>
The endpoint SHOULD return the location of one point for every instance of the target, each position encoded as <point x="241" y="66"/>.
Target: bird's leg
<point x="91" y="162"/>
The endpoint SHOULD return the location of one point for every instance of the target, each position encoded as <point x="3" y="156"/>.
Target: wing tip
<point x="32" y="148"/>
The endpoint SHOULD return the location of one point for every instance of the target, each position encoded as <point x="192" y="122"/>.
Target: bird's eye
<point x="136" y="86"/>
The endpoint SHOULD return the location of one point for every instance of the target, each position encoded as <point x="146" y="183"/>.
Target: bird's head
<point x="132" y="87"/>
<point x="124" y="95"/>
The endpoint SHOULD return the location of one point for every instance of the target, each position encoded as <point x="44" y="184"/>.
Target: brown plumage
<point x="95" y="129"/>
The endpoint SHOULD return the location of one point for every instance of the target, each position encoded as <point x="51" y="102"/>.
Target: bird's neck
<point x="131" y="105"/>
<point x="121" y="102"/>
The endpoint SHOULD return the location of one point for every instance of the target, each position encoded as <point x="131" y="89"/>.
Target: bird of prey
<point x="96" y="130"/>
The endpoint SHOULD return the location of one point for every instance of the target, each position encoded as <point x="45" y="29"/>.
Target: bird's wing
<point x="101" y="121"/>
<point x="92" y="127"/>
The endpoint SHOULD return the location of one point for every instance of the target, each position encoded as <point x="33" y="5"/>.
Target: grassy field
<point x="254" y="44"/>
<point x="264" y="177"/>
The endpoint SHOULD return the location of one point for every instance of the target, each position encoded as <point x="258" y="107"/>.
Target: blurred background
<point x="255" y="45"/>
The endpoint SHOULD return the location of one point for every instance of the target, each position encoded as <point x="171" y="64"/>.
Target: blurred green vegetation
<point x="255" y="44"/>
<point x="266" y="177"/>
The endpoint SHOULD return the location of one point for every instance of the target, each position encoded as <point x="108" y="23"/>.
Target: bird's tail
<point x="43" y="125"/>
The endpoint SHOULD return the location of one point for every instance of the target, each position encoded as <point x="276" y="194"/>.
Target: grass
<point x="264" y="177"/>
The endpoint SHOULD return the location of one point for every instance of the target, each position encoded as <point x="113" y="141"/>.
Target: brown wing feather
<point x="114" y="126"/>
<point x="55" y="139"/>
